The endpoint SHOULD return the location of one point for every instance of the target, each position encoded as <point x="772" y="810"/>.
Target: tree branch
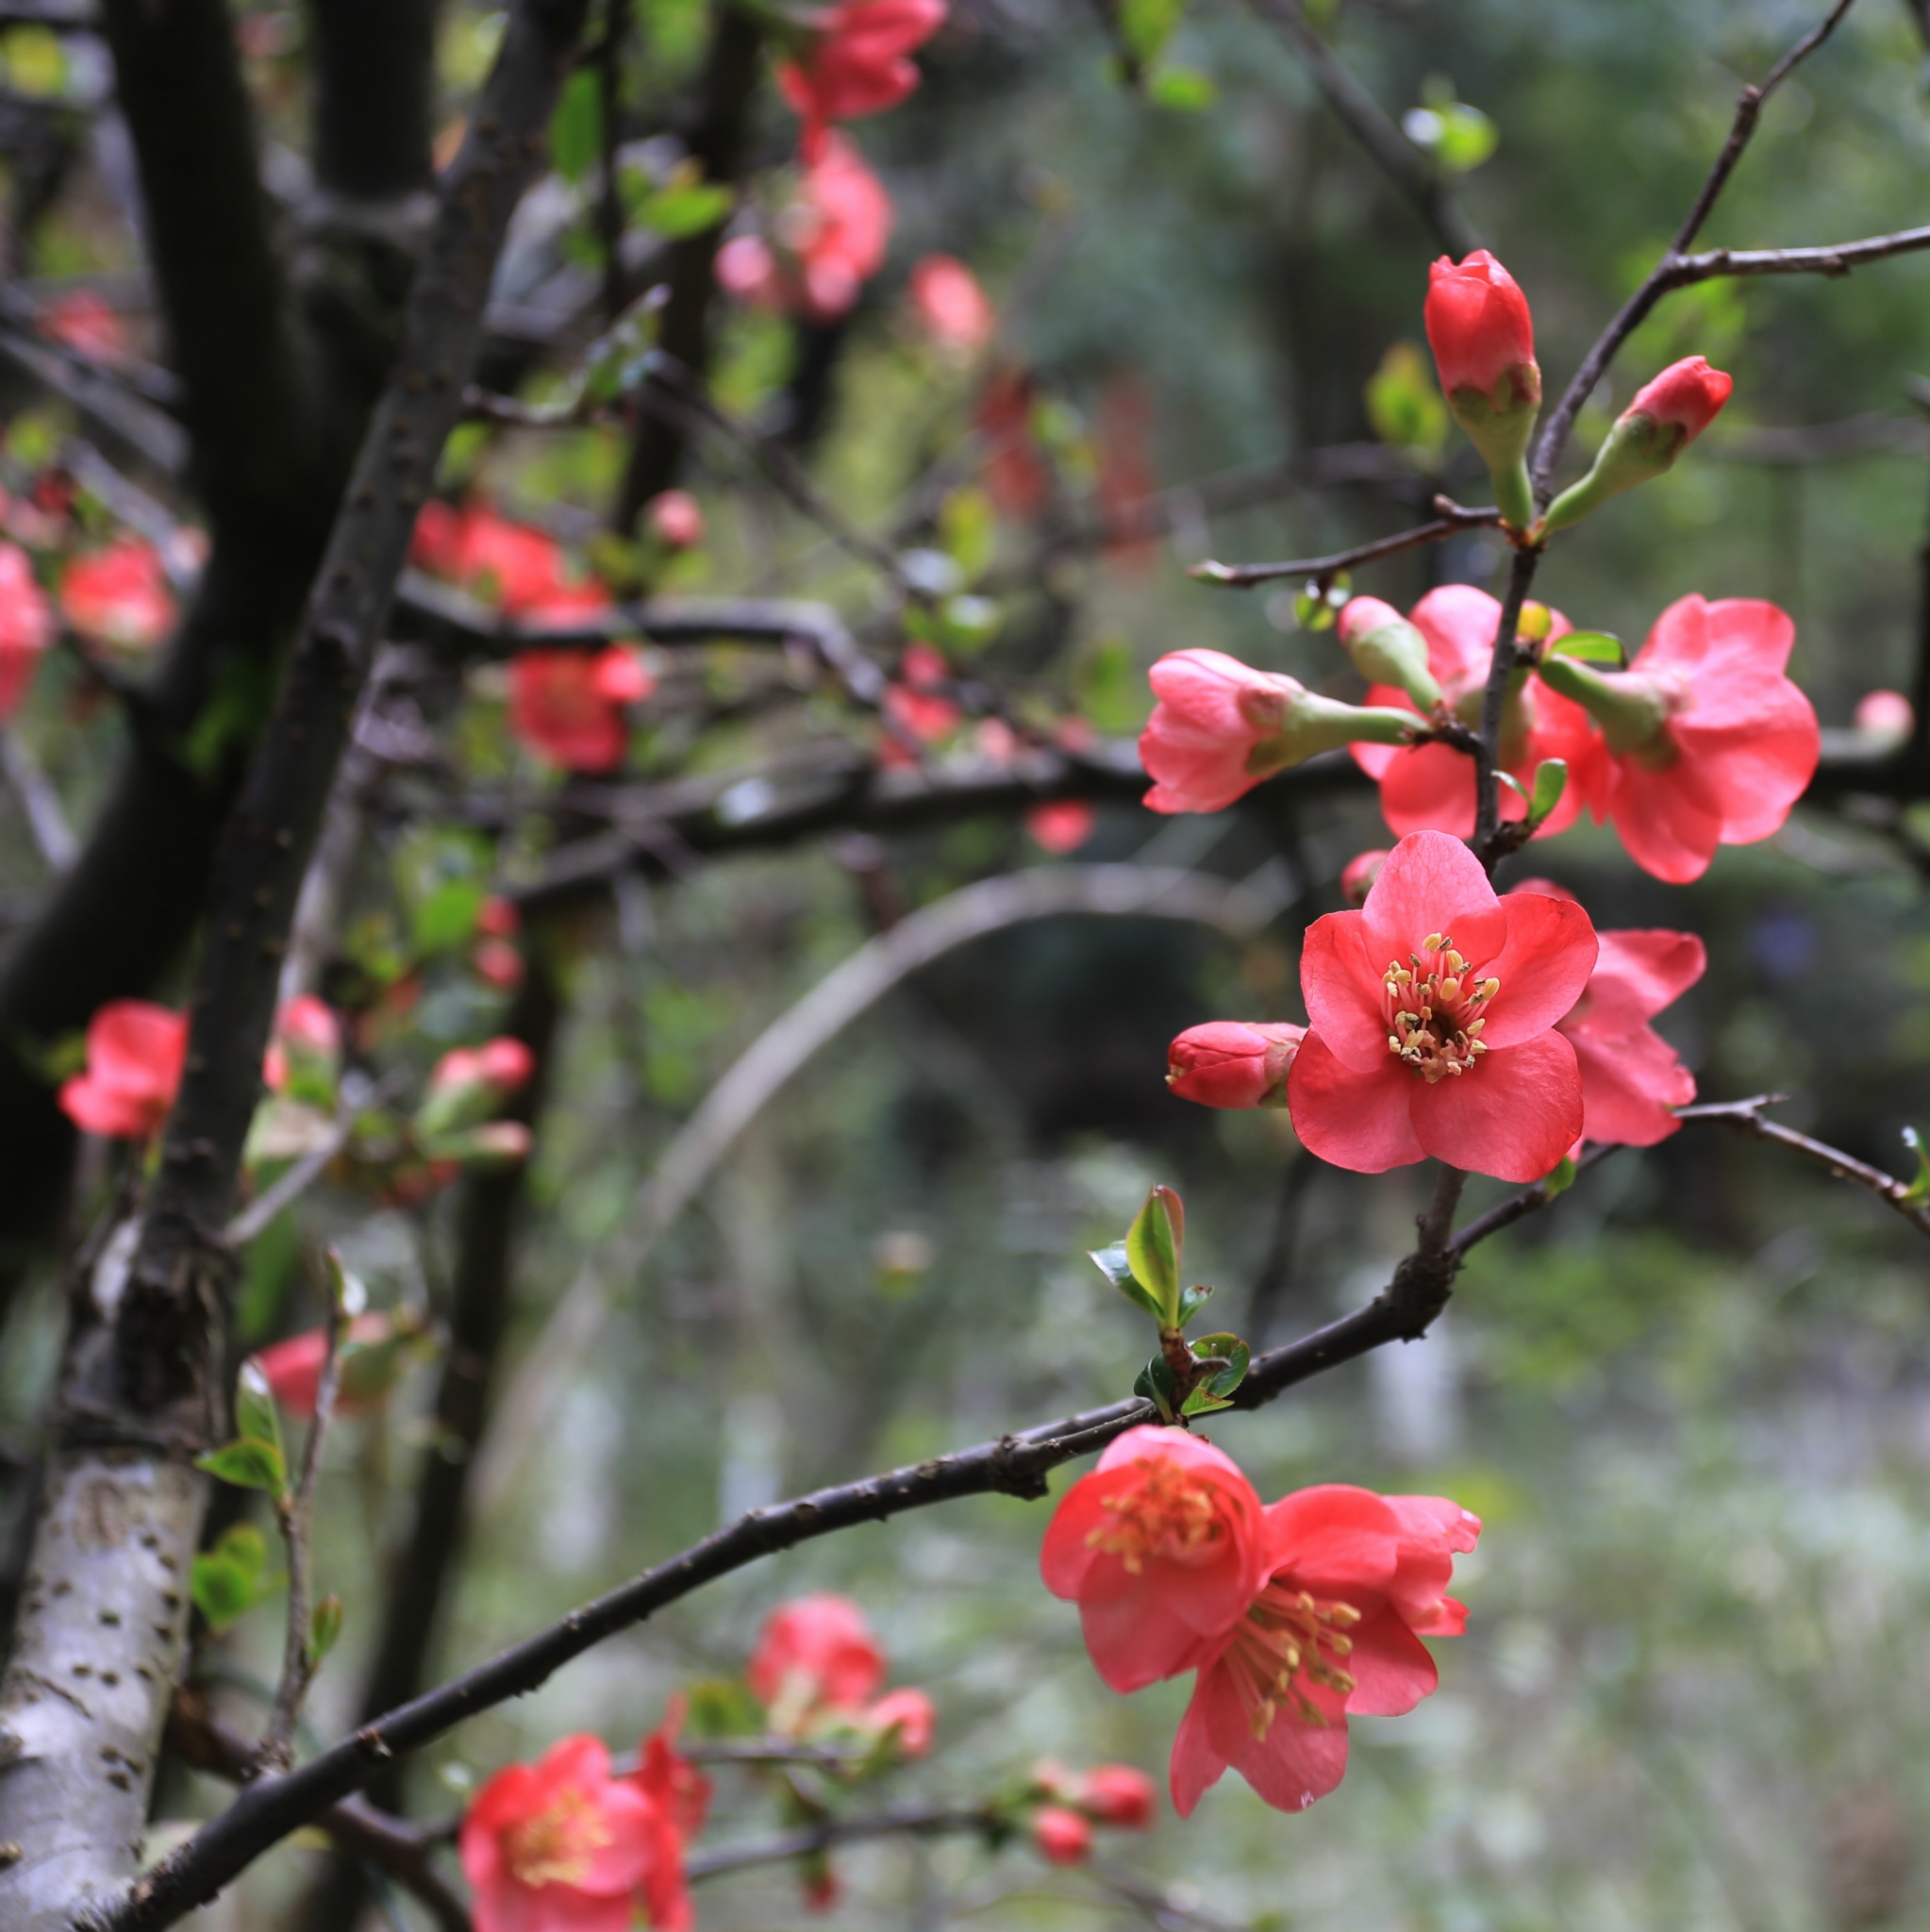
<point x="904" y="1821"/>
<point x="1560" y="425"/>
<point x="1451" y="521"/>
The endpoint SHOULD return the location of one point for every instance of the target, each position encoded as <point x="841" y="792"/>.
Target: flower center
<point x="1286" y="1641"/>
<point x="1169" y="1515"/>
<point x="556" y="1845"/>
<point x="1436" y="1010"/>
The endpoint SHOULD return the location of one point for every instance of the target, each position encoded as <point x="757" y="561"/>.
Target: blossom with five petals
<point x="135" y="1053"/>
<point x="1431" y="786"/>
<point x="1432" y="1012"/>
<point x="569" y="704"/>
<point x="1705" y="741"/>
<point x="560" y="1846"/>
<point x="1353" y="1582"/>
<point x="815" y="1653"/>
<point x="522" y="572"/>
<point x="1162" y="1546"/>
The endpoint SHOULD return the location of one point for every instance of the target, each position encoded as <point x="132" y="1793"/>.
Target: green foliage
<point x="1404" y="405"/>
<point x="226" y="1582"/>
<point x="248" y="1464"/>
<point x="576" y="126"/>
<point x="1592" y="647"/>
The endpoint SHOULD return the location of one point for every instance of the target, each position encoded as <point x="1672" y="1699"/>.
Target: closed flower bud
<point x="1119" y="1795"/>
<point x="1483" y="338"/>
<point x="1063" y="1837"/>
<point x="1233" y="1063"/>
<point x="1387" y="649"/>
<point x="675" y="518"/>
<point x="1662" y="421"/>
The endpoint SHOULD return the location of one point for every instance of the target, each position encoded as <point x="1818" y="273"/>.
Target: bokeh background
<point x="1691" y="1401"/>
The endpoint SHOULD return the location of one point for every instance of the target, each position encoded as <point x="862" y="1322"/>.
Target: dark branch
<point x="906" y="1821"/>
<point x="1452" y="519"/>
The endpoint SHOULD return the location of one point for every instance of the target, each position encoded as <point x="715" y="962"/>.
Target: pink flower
<point x="1234" y="1062"/>
<point x="679" y="1796"/>
<point x="910" y="1715"/>
<point x="1162" y="1548"/>
<point x="1063" y="1837"/>
<point x="369" y="1369"/>
<point x="1631" y="1076"/>
<point x="82" y="320"/>
<point x="307" y="1040"/>
<point x="1432" y="1014"/>
<point x="1119" y="1795"/>
<point x="1687" y="396"/>
<point x="1353" y="1581"/>
<point x="499" y="918"/>
<point x="1478" y="324"/>
<point x="1885" y="714"/>
<point x="501" y="1065"/>
<point x="499" y="963"/>
<point x="135" y="1053"/>
<point x="1062" y="824"/>
<point x="1431" y="786"/>
<point x="858" y="64"/>
<point x="559" y="1845"/>
<point x="522" y="572"/>
<point x="26" y="626"/>
<point x="1359" y="875"/>
<point x="675" y="518"/>
<point x="119" y="595"/>
<point x="815" y="1653"/>
<point x="1220" y="727"/>
<point x="830" y="241"/>
<point x="1707" y="742"/>
<point x="950" y="306"/>
<point x="915" y="702"/>
<point x="569" y="704"/>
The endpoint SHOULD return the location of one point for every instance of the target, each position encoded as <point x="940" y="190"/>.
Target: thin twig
<point x="1490" y="844"/>
<point x="1659" y="280"/>
<point x="1452" y="519"/>
<point x="1516" y="1206"/>
<point x="262" y="1209"/>
<point x="1745" y="1117"/>
<point x="296" y="1512"/>
<point x="920" y="1821"/>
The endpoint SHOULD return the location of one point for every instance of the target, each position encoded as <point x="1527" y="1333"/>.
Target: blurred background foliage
<point x="1692" y="1400"/>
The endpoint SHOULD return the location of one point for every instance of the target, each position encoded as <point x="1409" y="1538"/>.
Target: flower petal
<point x="1514" y="1116"/>
<point x="1391" y="1668"/>
<point x="1336" y="1540"/>
<point x="1432" y="884"/>
<point x="1355" y="1120"/>
<point x="1543" y="968"/>
<point x="1341" y="978"/>
<point x="1628" y="1086"/>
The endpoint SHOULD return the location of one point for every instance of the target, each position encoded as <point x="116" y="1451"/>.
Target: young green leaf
<point x="1119" y="1270"/>
<point x="324" y="1627"/>
<point x="1155" y="1243"/>
<point x="1191" y="1300"/>
<point x="219" y="1590"/>
<point x="248" y="1464"/>
<point x="1560" y="1180"/>
<point x="1202" y="1401"/>
<point x="257" y="1418"/>
<point x="1551" y="781"/>
<point x="1155" y="1382"/>
<point x="1231" y="1350"/>
<point x="1919" y="1190"/>
<point x="1591" y="646"/>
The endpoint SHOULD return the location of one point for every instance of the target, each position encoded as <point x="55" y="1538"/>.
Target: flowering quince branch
<point x="1451" y="521"/>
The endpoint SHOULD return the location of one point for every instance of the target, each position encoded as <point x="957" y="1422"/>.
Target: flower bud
<point x="675" y="518"/>
<point x="499" y="963"/>
<point x="1359" y="875"/>
<point x="305" y="1055"/>
<point x="907" y="1716"/>
<point x="1483" y="338"/>
<point x="1631" y="707"/>
<point x="1233" y="1062"/>
<point x="1119" y="1794"/>
<point x="1662" y="421"/>
<point x="1387" y="649"/>
<point x="470" y="1083"/>
<point x="1063" y="1837"/>
<point x="498" y="918"/>
<point x="1885" y="715"/>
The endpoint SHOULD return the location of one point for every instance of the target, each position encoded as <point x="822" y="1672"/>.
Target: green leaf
<point x="1155" y="1243"/>
<point x="1560" y="1180"/>
<point x="1191" y="1301"/>
<point x="219" y="1590"/>
<point x="1202" y="1401"/>
<point x="967" y="528"/>
<point x="1919" y="1190"/>
<point x="1119" y="1270"/>
<point x="246" y="1548"/>
<point x="1551" y="781"/>
<point x="1182" y="90"/>
<point x="1513" y="784"/>
<point x="257" y="1418"/>
<point x="1155" y="1382"/>
<point x="1591" y="646"/>
<point x="324" y="1627"/>
<point x="248" y="1464"/>
<point x="686" y="208"/>
<point x="1235" y="1354"/>
<point x="1467" y="138"/>
<point x="1146" y="26"/>
<point x="1403" y="405"/>
<point x="576" y="128"/>
<point x="447" y="916"/>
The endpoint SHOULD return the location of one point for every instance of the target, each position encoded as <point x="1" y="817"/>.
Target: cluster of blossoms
<point x="1292" y="1615"/>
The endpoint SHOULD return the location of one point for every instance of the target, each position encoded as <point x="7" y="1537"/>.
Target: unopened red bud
<point x="1885" y="714"/>
<point x="499" y="963"/>
<point x="1119" y="1794"/>
<point x="1063" y="1837"/>
<point x="1483" y="338"/>
<point x="1359" y="875"/>
<point x="1666" y="416"/>
<point x="498" y="918"/>
<point x="676" y="518"/>
<point x="1233" y="1062"/>
<point x="505" y="1063"/>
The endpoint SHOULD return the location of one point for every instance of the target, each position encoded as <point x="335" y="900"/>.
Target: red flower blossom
<point x="135" y="1053"/>
<point x="307" y="1040"/>
<point x="499" y="963"/>
<point x="831" y="241"/>
<point x="675" y="518"/>
<point x="520" y="571"/>
<point x="26" y="628"/>
<point x="915" y="702"/>
<point x="1431" y="786"/>
<point x="1062" y="1836"/>
<point x="1220" y="727"/>
<point x="1234" y="1062"/>
<point x="83" y="321"/>
<point x="119" y="596"/>
<point x="815" y="1653"/>
<point x="679" y="1796"/>
<point x="1707" y="742"/>
<point x="858" y="64"/>
<point x="559" y="1845"/>
<point x="1162" y="1548"/>
<point x="1353" y="1581"/>
<point x="501" y="1065"/>
<point x="1432" y="1014"/>
<point x="1062" y="824"/>
<point x="498" y="917"/>
<point x="910" y="1715"/>
<point x="950" y="306"/>
<point x="569" y="704"/>
<point x="1687" y="396"/>
<point x="1478" y="324"/>
<point x="1631" y="1076"/>
<point x="368" y="1368"/>
<point x="1119" y="1795"/>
